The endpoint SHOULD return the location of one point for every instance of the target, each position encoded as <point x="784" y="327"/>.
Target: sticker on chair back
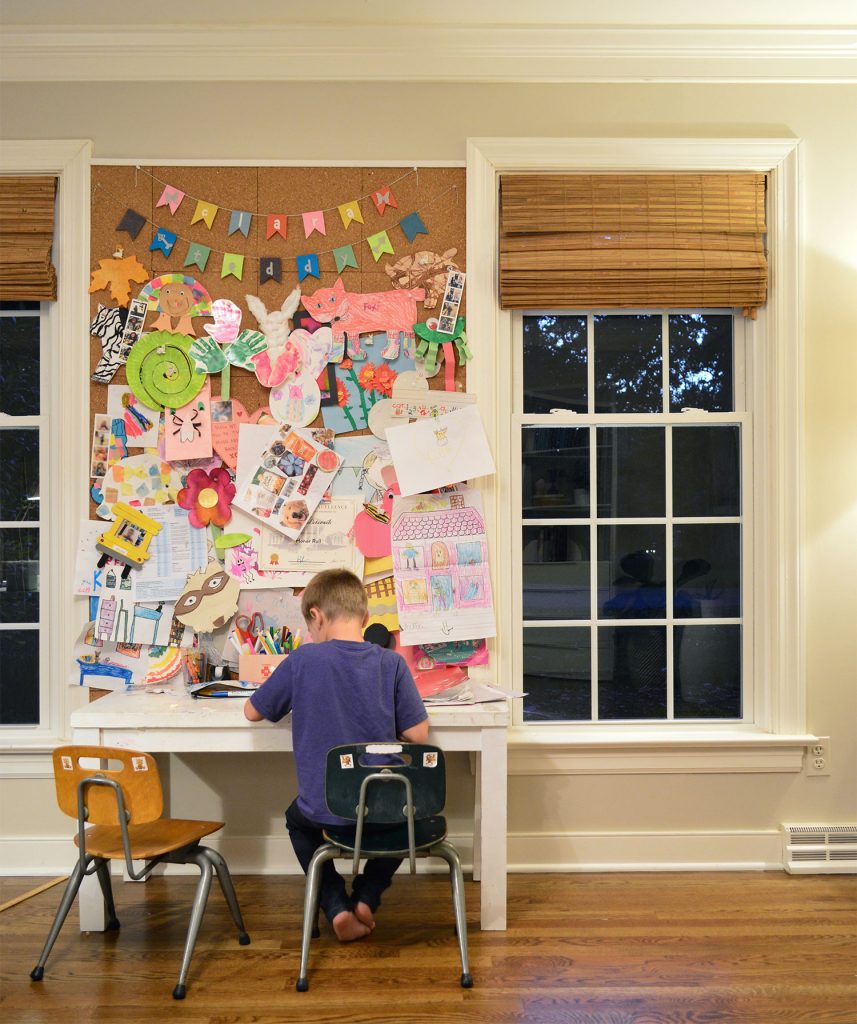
<point x="430" y="759"/>
<point x="67" y="763"/>
<point x="346" y="761"/>
<point x="139" y="764"/>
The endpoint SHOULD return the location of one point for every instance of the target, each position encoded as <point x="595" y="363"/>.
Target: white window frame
<point x="64" y="456"/>
<point x="591" y="421"/>
<point x="777" y="739"/>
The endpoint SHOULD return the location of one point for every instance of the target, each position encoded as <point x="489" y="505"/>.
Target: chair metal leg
<point x="199" y="901"/>
<point x="456" y="877"/>
<point x="73" y="884"/>
<point x="225" y="879"/>
<point x="103" y="871"/>
<point x="313" y="880"/>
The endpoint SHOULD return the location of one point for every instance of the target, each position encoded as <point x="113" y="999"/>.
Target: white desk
<point x="172" y="723"/>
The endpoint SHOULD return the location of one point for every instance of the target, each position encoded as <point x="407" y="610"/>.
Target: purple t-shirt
<point x="339" y="691"/>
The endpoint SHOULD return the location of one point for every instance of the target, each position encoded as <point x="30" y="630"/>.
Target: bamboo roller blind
<point x="26" y="237"/>
<point x="648" y="240"/>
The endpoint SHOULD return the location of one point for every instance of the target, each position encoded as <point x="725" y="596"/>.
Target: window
<point x="630" y="562"/>
<point x="23" y="430"/>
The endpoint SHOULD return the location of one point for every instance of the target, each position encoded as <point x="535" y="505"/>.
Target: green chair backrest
<point x="421" y="763"/>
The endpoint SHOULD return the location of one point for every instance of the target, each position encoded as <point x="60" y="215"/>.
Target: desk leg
<point x="492" y="829"/>
<point x="90" y="901"/>
<point x="476" y="772"/>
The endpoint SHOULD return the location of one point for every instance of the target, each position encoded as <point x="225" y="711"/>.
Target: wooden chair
<point x="403" y="787"/>
<point x="119" y="818"/>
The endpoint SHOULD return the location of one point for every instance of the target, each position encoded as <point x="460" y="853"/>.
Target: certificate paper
<point x="324" y="544"/>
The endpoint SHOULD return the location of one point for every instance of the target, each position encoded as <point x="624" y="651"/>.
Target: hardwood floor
<point x="580" y="949"/>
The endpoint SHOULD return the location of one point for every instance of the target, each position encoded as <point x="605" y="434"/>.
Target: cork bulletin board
<point x="436" y="193"/>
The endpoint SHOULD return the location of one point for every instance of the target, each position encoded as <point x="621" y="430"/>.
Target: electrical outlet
<point x="818" y="757"/>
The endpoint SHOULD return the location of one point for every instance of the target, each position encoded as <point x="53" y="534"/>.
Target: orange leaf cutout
<point x="117" y="275"/>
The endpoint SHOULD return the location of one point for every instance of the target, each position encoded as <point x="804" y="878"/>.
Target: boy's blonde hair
<point x="338" y="593"/>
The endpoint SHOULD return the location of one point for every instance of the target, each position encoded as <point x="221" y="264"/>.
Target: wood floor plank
<point x="595" y="949"/>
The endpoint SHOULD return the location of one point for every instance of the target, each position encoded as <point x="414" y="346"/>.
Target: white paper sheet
<point x="435" y="452"/>
<point x="324" y="544"/>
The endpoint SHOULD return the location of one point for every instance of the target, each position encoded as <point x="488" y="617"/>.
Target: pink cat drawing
<point x="351" y="314"/>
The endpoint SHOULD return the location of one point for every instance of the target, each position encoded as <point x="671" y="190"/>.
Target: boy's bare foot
<point x="348" y="928"/>
<point x="363" y="913"/>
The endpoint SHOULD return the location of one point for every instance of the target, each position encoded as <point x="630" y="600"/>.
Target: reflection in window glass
<point x="555" y="480"/>
<point x="707" y="570"/>
<point x="632" y="672"/>
<point x="554" y="363"/>
<point x="628" y="359"/>
<point x="19" y="474"/>
<point x="700" y="368"/>
<point x="556" y="572"/>
<point x="632" y="572"/>
<point x="631" y="471"/>
<point x="19" y="365"/>
<point x="706" y="471"/>
<point x="557" y="673"/>
<point x="707" y="662"/>
<point x="19" y="679"/>
<point x="19" y="575"/>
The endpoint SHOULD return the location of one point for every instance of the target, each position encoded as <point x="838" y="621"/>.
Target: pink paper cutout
<point x="371" y="528"/>
<point x="171" y="197"/>
<point x="314" y="222"/>
<point x="188" y="429"/>
<point x="227" y="321"/>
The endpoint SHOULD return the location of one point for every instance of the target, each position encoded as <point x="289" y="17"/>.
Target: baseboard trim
<point x="528" y="852"/>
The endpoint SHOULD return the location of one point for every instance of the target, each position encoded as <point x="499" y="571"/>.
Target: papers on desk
<point x="470" y="692"/>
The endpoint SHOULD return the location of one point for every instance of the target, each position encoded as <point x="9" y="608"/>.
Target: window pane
<point x="554" y="363"/>
<point x="632" y="572"/>
<point x="19" y="474"/>
<point x="701" y="362"/>
<point x="628" y="362"/>
<point x="557" y="675"/>
<point x="556" y="572"/>
<point x="632" y="672"/>
<point x="19" y="575"/>
<point x="707" y="570"/>
<point x="555" y="472"/>
<point x="630" y="472"/>
<point x="19" y="678"/>
<point x="706" y="471"/>
<point x="707" y="671"/>
<point x="19" y="365"/>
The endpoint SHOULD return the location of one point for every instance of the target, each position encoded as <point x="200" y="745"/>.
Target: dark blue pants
<point x="306" y="836"/>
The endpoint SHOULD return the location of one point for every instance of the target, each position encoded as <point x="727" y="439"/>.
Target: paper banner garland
<point x="343" y="257"/>
<point x="197" y="256"/>
<point x="233" y="263"/>
<point x="307" y="265"/>
<point x="379" y="243"/>
<point x="162" y="372"/>
<point x="350" y="212"/>
<point x="132" y="222"/>
<point x="382" y="198"/>
<point x="239" y="221"/>
<point x="412" y="226"/>
<point x="314" y="221"/>
<point x="270" y="269"/>
<point x="171" y="197"/>
<point x="163" y="241"/>
<point x="204" y="212"/>
<point x="277" y="224"/>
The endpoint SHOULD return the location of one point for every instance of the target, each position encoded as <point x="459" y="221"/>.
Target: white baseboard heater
<point x="820" y="849"/>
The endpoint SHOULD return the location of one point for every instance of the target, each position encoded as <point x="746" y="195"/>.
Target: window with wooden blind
<point x="598" y="241"/>
<point x="26" y="238"/>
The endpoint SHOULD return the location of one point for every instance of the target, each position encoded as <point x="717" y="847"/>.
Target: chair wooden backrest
<point x="348" y="766"/>
<point x="138" y="779"/>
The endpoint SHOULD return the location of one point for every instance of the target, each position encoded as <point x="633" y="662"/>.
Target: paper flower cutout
<point x="377" y="378"/>
<point x="293" y="465"/>
<point x="207" y="497"/>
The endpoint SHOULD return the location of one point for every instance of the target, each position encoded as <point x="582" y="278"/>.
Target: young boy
<point x="339" y="689"/>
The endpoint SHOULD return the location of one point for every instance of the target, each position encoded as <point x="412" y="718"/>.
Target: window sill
<point x="632" y="750"/>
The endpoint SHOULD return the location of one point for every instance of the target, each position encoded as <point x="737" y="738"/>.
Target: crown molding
<point x="468" y="53"/>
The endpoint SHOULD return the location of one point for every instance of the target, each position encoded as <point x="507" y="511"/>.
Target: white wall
<point x="617" y="819"/>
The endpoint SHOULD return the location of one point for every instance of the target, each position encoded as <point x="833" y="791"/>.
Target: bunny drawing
<point x="281" y="357"/>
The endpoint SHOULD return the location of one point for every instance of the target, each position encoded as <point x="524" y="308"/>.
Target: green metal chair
<point x="399" y="785"/>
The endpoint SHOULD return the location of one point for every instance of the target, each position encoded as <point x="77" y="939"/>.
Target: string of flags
<point x="270" y="267"/>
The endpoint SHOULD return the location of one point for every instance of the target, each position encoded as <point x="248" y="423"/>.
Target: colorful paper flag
<point x="384" y="198"/>
<point x="412" y="225"/>
<point x="307" y="265"/>
<point x="344" y="257"/>
<point x="379" y="244"/>
<point x="277" y="225"/>
<point x="314" y="222"/>
<point x="239" y="221"/>
<point x="132" y="222"/>
<point x="350" y="212"/>
<point x="197" y="255"/>
<point x="163" y="240"/>
<point x="233" y="263"/>
<point x="206" y="212"/>
<point x="171" y="197"/>
<point x="270" y="269"/>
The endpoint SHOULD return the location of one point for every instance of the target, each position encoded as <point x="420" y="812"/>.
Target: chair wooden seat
<point x="153" y="839"/>
<point x="119" y="812"/>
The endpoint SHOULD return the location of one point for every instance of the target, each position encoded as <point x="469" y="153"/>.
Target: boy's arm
<point x="251" y="714"/>
<point x="416" y="734"/>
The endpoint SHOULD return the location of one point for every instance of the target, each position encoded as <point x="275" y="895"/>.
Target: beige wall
<point x="361" y="123"/>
